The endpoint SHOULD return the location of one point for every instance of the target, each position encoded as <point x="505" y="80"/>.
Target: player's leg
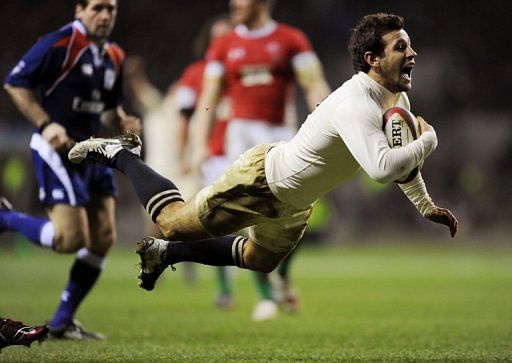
<point x="39" y="231"/>
<point x="270" y="239"/>
<point x="66" y="228"/>
<point x="228" y="250"/>
<point x="240" y="137"/>
<point x="157" y="254"/>
<point x="219" y="210"/>
<point x="239" y="199"/>
<point x="283" y="290"/>
<point x="211" y="170"/>
<point x="224" y="298"/>
<point x="17" y="333"/>
<point x="97" y="194"/>
<point x="280" y="234"/>
<point x="164" y="204"/>
<point x="86" y="269"/>
<point x="161" y="199"/>
<point x="235" y="144"/>
<point x="266" y="308"/>
<point x="159" y="196"/>
<point x="74" y="223"/>
<point x="71" y="227"/>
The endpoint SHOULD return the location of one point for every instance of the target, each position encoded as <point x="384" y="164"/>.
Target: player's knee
<point x="260" y="263"/>
<point x="167" y="229"/>
<point x="166" y="224"/>
<point x="106" y="239"/>
<point x="69" y="242"/>
<point x="108" y="236"/>
<point x="175" y="229"/>
<point x="180" y="222"/>
<point x="259" y="258"/>
<point x="260" y="266"/>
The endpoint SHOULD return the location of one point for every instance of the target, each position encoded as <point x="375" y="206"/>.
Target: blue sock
<point x="38" y="230"/>
<point x="84" y="274"/>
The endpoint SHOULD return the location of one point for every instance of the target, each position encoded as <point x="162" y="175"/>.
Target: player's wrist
<point x="43" y="125"/>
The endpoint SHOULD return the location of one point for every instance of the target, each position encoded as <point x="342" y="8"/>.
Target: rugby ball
<point x="401" y="128"/>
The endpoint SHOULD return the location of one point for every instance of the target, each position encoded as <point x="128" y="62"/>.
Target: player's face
<point x="219" y="28"/>
<point x="99" y="17"/>
<point x="243" y="11"/>
<point x="397" y="62"/>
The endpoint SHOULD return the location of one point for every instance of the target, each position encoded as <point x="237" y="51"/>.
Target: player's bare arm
<point x="310" y="76"/>
<point x="147" y="96"/>
<point x="27" y="103"/>
<point x="183" y="141"/>
<point x="203" y="117"/>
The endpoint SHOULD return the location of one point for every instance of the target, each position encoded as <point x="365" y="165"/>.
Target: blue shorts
<point x="61" y="182"/>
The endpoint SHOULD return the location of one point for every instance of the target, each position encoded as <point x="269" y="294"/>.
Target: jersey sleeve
<point x="416" y="192"/>
<point x="188" y="89"/>
<point x="189" y="77"/>
<point x="41" y="64"/>
<point x="302" y="54"/>
<point x="215" y="58"/>
<point x="216" y="50"/>
<point x="117" y="56"/>
<point x="360" y="127"/>
<point x="299" y="42"/>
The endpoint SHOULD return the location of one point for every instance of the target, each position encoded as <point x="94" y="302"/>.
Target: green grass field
<point x="385" y="303"/>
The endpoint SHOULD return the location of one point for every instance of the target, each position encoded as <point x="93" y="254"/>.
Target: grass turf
<point x="391" y="303"/>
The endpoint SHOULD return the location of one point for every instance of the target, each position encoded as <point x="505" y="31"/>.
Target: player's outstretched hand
<point x="131" y="124"/>
<point x="443" y="216"/>
<point x="424" y="125"/>
<point x="56" y="135"/>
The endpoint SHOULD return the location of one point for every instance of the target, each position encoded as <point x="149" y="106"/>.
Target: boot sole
<point x="146" y="281"/>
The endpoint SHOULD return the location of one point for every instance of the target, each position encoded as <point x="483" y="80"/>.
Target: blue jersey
<point x="74" y="79"/>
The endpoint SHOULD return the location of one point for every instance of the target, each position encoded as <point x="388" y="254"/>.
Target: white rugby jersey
<point x="341" y="136"/>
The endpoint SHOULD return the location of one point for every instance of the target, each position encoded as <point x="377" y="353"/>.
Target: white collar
<point x="243" y="32"/>
<point x="384" y="97"/>
<point x="80" y="26"/>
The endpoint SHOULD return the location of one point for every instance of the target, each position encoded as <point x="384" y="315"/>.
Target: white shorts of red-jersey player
<point x="242" y="135"/>
<point x="213" y="168"/>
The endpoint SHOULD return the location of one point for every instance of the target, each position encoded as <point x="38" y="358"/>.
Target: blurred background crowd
<point x="461" y="84"/>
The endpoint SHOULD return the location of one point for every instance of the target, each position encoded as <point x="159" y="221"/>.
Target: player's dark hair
<point x="367" y="37"/>
<point x="271" y="3"/>
<point x="84" y="3"/>
<point x="202" y="40"/>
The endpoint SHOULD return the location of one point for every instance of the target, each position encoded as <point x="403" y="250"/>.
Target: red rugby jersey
<point x="258" y="69"/>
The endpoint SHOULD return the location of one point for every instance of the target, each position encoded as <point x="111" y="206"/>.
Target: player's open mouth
<point x="406" y="71"/>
